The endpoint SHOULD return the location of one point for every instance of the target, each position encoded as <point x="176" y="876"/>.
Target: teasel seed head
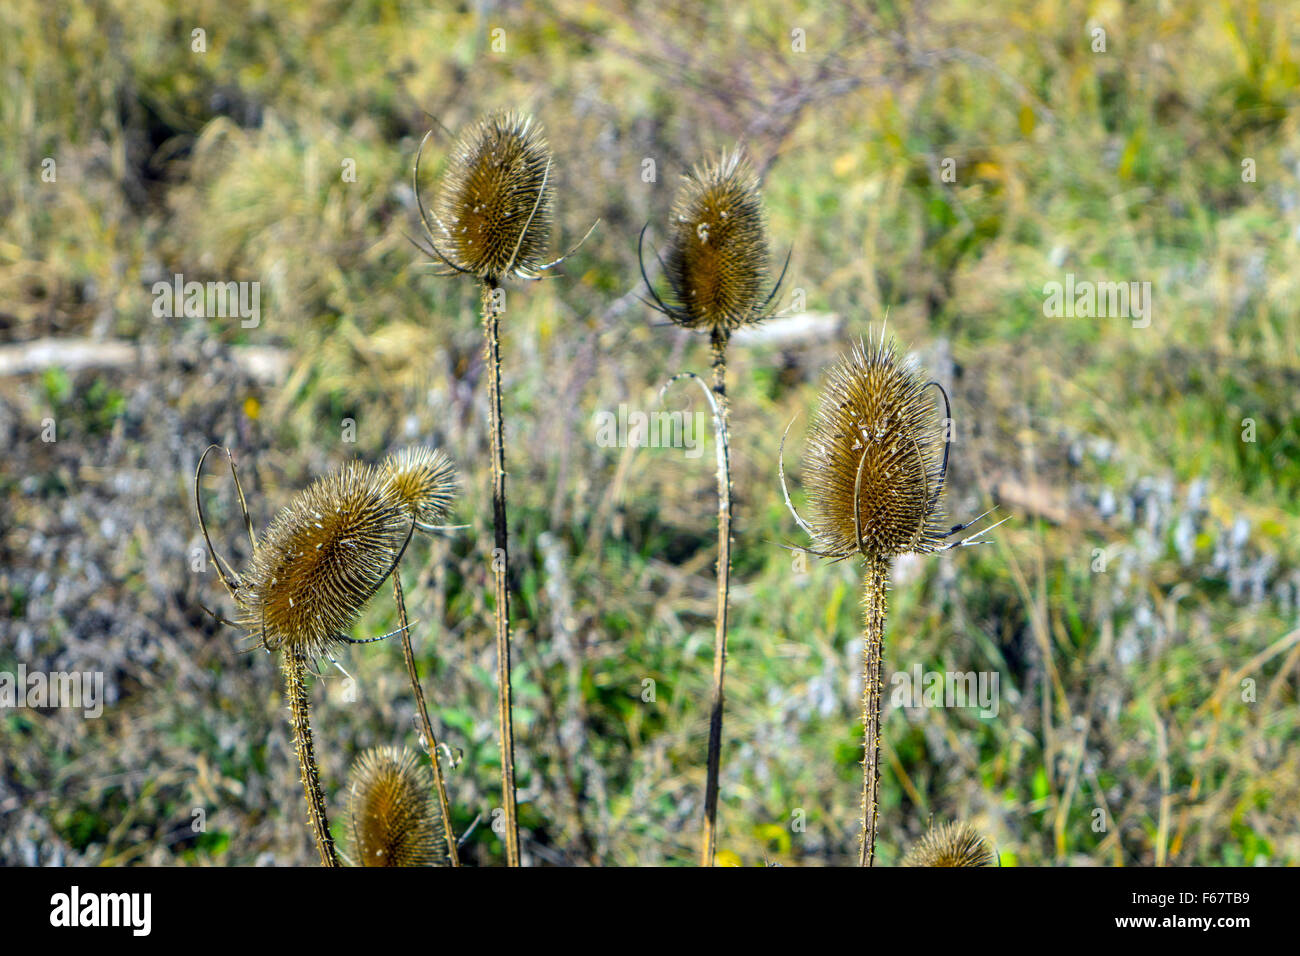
<point x="393" y="813"/>
<point x="875" y="463"/>
<point x="424" y="480"/>
<point x="321" y="559"/>
<point x="494" y="208"/>
<point x="952" y="844"/>
<point x="717" y="252"/>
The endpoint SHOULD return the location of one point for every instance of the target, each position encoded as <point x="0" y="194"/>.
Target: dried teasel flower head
<point x="424" y="479"/>
<point x="952" y="844"/>
<point x="394" y="817"/>
<point x="493" y="211"/>
<point x="718" y="249"/>
<point x="321" y="559"/>
<point x="876" y="459"/>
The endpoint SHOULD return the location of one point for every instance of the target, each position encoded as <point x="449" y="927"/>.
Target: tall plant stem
<point x="492" y="310"/>
<point x="720" y="619"/>
<point x="874" y="593"/>
<point x="295" y="689"/>
<point x="413" y="672"/>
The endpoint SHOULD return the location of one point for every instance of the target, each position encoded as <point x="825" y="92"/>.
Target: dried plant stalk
<point x="716" y="270"/>
<point x="710" y="838"/>
<point x="492" y="219"/>
<point x="876" y="465"/>
<point x="295" y="689"/>
<point x="435" y="761"/>
<point x="501" y="569"/>
<point x="874" y="590"/>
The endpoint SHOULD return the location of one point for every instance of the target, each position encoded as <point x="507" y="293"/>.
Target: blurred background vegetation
<point x="1160" y="691"/>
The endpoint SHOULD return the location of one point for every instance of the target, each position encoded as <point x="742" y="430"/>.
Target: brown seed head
<point x="953" y="844"/>
<point x="394" y="819"/>
<point x="717" y="253"/>
<point x="494" y="207"/>
<point x="424" y="479"/>
<point x="874" y="462"/>
<point x="321" y="559"/>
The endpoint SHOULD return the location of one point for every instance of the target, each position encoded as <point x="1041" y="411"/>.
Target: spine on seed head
<point x="873" y="465"/>
<point x="952" y="844"/>
<point x="394" y="820"/>
<point x="424" y="480"/>
<point x="322" y="557"/>
<point x="494" y="208"/>
<point x="717" y="257"/>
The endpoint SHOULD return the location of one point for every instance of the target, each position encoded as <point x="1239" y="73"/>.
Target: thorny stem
<point x="430" y="740"/>
<point x="500" y="567"/>
<point x="295" y="689"/>
<point x="708" y="852"/>
<point x="874" y="596"/>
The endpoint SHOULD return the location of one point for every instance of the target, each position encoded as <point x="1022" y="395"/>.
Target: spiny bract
<point x="494" y="207"/>
<point x="321" y="559"/>
<point x="717" y="253"/>
<point x="952" y="844"/>
<point x="424" y="479"/>
<point x="874" y="462"/>
<point x="393" y="816"/>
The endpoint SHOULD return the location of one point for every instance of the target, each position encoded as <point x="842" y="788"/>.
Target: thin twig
<point x="500" y="569"/>
<point x="430" y="740"/>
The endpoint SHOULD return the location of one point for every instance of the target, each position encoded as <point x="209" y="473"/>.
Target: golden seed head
<point x="953" y="844"/>
<point x="717" y="252"/>
<point x="321" y="559"/>
<point x="424" y="479"/>
<point x="874" y="462"/>
<point x="494" y="207"/>
<point x="394" y="819"/>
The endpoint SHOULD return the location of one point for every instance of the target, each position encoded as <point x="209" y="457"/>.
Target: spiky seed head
<point x="717" y="252"/>
<point x="321" y="559"/>
<point x="952" y="844"/>
<point x="495" y="205"/>
<point x="394" y="819"/>
<point x="424" y="479"/>
<point x="876" y="445"/>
